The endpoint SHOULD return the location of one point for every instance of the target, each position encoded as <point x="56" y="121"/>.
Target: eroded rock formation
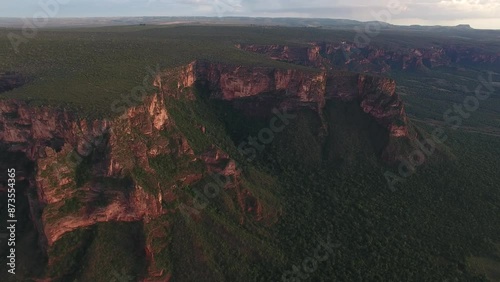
<point x="292" y="89"/>
<point x="100" y="170"/>
<point x="370" y="58"/>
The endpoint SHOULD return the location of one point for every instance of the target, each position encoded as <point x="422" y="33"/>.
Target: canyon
<point x="85" y="171"/>
<point x="80" y="172"/>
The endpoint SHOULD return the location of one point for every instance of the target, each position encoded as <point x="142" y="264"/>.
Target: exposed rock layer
<point x="292" y="89"/>
<point x="370" y="58"/>
<point x="84" y="167"/>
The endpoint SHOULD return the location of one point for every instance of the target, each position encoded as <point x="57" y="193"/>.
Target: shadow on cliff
<point x="30" y="256"/>
<point x="339" y="134"/>
<point x="11" y="80"/>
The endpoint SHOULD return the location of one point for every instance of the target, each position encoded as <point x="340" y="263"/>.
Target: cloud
<point x="418" y="11"/>
<point x="452" y="10"/>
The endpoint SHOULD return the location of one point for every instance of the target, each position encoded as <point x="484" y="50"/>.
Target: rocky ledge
<point x="292" y="89"/>
<point x="97" y="170"/>
<point x="374" y="59"/>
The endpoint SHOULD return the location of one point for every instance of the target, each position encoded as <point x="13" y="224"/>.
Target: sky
<point x="478" y="13"/>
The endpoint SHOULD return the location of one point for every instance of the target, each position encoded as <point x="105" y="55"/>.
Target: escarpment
<point x="132" y="168"/>
<point x="293" y="89"/>
<point x="370" y="58"/>
<point x="138" y="167"/>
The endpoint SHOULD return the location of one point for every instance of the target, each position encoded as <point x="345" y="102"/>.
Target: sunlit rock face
<point x="62" y="145"/>
<point x="293" y="89"/>
<point x="374" y="59"/>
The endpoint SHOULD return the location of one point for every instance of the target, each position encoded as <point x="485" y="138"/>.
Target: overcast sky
<point x="478" y="13"/>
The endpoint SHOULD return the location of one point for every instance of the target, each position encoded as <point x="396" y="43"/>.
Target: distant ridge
<point x="289" y="22"/>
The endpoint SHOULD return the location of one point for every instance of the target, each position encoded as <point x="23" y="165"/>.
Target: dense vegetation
<point x="90" y="68"/>
<point x="441" y="224"/>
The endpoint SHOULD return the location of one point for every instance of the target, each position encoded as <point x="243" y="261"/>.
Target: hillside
<point x="250" y="154"/>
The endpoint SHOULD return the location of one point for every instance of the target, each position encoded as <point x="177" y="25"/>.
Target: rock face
<point x="60" y="145"/>
<point x="89" y="171"/>
<point x="299" y="55"/>
<point x="31" y="129"/>
<point x="292" y="89"/>
<point x="369" y="58"/>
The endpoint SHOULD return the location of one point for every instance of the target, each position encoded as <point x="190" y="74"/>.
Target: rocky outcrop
<point x="302" y="55"/>
<point x="28" y="129"/>
<point x="374" y="59"/>
<point x="292" y="89"/>
<point x="100" y="170"/>
<point x="90" y="171"/>
<point x="235" y="82"/>
<point x="63" y="147"/>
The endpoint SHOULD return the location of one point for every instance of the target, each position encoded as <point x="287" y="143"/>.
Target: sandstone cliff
<point x="90" y="171"/>
<point x="293" y="89"/>
<point x="370" y="58"/>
